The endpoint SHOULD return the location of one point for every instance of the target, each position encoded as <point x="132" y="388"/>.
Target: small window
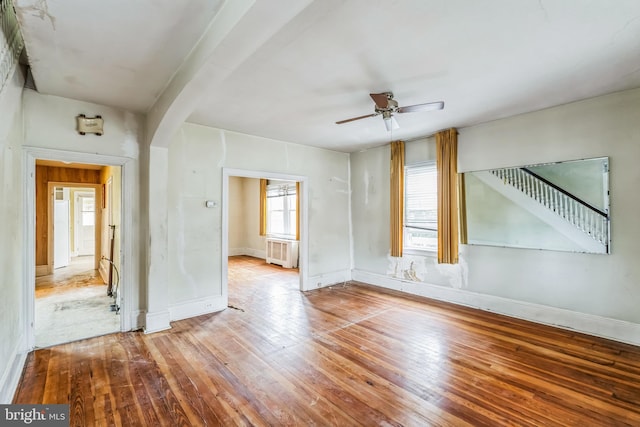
<point x="421" y="208"/>
<point x="281" y="209"/>
<point x="88" y="211"/>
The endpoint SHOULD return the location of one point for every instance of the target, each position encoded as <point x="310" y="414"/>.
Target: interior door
<point x="61" y="249"/>
<point x="85" y="223"/>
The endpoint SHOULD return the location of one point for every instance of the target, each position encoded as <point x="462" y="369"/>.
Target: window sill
<point x="281" y="237"/>
<point x="420" y="252"/>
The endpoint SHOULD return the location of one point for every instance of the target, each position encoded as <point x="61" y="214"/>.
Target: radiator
<point x="282" y="252"/>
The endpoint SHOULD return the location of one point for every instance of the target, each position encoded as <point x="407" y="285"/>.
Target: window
<point x="281" y="209"/>
<point x="421" y="208"/>
<point x="88" y="211"/>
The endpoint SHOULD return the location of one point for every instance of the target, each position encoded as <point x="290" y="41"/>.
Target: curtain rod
<point x="424" y="137"/>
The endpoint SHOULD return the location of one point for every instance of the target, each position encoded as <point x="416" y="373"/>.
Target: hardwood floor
<point x="345" y="355"/>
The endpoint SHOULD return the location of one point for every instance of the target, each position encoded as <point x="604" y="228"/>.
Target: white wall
<point x="244" y="218"/>
<point x="50" y="124"/>
<point x="597" y="294"/>
<point x="597" y="284"/>
<point x="11" y="237"/>
<point x="197" y="155"/>
<point x="254" y="242"/>
<point x="370" y="210"/>
<point x="236" y="216"/>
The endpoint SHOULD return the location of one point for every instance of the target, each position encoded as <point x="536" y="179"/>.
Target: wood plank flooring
<point x="341" y="356"/>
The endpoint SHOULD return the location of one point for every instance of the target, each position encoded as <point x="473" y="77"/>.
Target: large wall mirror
<point x="560" y="206"/>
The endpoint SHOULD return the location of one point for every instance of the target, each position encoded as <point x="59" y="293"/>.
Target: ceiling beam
<point x="236" y="32"/>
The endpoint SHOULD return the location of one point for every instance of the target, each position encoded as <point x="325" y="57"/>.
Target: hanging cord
<point x="114" y="291"/>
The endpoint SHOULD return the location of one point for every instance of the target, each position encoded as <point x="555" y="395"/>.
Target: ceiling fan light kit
<point x="387" y="106"/>
<point x="390" y="122"/>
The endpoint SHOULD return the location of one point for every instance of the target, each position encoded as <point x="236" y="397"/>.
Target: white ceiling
<point x="485" y="59"/>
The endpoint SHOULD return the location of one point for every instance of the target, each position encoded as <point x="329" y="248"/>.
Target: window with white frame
<point x="421" y="208"/>
<point x="281" y="209"/>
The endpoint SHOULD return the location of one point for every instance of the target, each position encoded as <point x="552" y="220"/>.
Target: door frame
<point x="303" y="263"/>
<point x="127" y="256"/>
<point x="98" y="215"/>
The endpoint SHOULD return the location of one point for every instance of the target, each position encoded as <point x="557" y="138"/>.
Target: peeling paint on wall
<point x="11" y="42"/>
<point x="418" y="268"/>
<point x="408" y="267"/>
<point x="455" y="273"/>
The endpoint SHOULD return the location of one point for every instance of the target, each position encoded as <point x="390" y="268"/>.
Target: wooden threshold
<point x="345" y="355"/>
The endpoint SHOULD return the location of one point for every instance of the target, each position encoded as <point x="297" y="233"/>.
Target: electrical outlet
<point x="208" y="306"/>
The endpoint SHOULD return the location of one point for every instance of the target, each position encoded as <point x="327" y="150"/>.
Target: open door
<point x="61" y="248"/>
<point x="85" y="227"/>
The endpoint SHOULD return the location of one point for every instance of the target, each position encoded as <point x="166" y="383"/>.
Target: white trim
<point x="328" y="279"/>
<point x="30" y="154"/>
<point x="599" y="326"/>
<point x="137" y="320"/>
<point x="12" y="44"/>
<point x="156" y="322"/>
<point x="303" y="264"/>
<point x="256" y="253"/>
<point x="11" y="376"/>
<point x="196" y="307"/>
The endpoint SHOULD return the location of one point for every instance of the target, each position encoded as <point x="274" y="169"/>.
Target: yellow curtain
<point x="447" y="165"/>
<point x="397" y="197"/>
<point x="263" y="207"/>
<point x="298" y="210"/>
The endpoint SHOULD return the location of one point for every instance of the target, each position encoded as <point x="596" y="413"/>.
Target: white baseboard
<point x="197" y="307"/>
<point x="137" y="320"/>
<point x="12" y="372"/>
<point x="327" y="279"/>
<point x="604" y="327"/>
<point x="256" y="253"/>
<point x="156" y="322"/>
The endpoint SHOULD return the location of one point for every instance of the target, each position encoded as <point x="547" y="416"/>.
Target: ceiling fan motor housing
<point x="387" y="106"/>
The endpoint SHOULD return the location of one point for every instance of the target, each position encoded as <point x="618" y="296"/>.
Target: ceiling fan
<point x="387" y="106"/>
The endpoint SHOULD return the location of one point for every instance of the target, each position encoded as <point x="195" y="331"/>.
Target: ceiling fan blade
<point x="356" y="118"/>
<point x="430" y="106"/>
<point x="381" y="99"/>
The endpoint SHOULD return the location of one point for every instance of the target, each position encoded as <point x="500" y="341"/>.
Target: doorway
<point x="269" y="255"/>
<point x="124" y="253"/>
<point x="73" y="299"/>
<point x="240" y="215"/>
